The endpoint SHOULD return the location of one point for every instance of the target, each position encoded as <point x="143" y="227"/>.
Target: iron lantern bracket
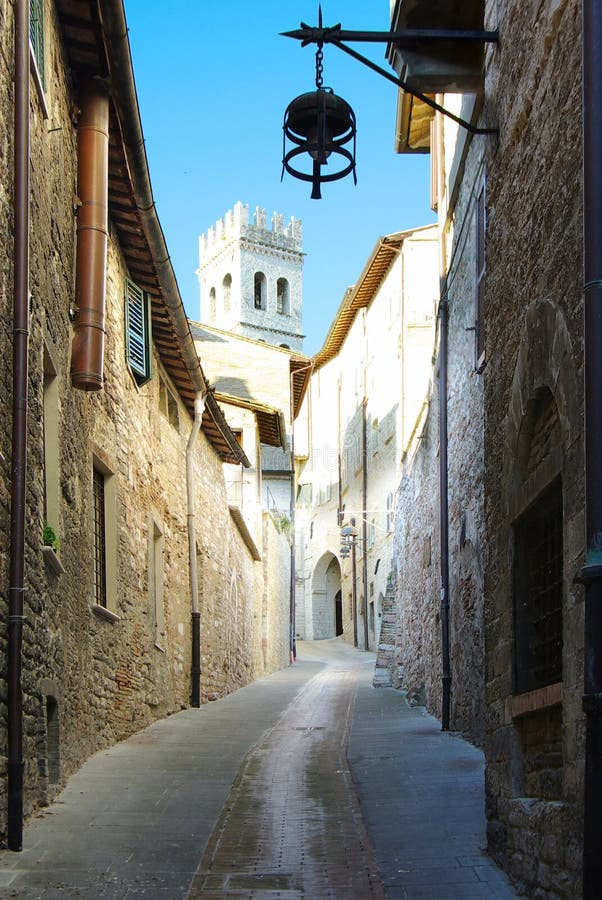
<point x="407" y="38"/>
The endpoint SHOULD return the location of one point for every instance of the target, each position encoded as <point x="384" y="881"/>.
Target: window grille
<point x="389" y="515"/>
<point x="36" y="35"/>
<point x="538" y="576"/>
<point x="100" y="551"/>
<point x="137" y="329"/>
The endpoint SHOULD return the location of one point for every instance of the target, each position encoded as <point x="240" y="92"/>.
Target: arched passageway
<point x="327" y="614"/>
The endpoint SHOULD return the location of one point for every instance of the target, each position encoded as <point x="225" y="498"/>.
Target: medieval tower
<point x="251" y="277"/>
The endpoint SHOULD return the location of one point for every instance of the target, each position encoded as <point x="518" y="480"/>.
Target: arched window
<point x="284" y="346"/>
<point x="227" y="293"/>
<point x="283" y="297"/>
<point x="260" y="288"/>
<point x="212" y="305"/>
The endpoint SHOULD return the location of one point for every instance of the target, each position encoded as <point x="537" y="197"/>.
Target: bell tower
<point x="251" y="277"/>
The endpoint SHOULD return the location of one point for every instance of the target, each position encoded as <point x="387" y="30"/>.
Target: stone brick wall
<point x="534" y="333"/>
<point x="92" y="677"/>
<point x="238" y="248"/>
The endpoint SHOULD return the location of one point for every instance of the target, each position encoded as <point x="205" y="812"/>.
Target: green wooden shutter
<point x="36" y="34"/>
<point x="137" y="332"/>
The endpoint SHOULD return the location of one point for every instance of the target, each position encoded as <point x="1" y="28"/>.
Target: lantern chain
<point x="319" y="66"/>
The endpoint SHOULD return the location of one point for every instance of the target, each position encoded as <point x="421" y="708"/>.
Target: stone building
<point x="126" y="446"/>
<point x="367" y="389"/>
<point x="251" y="277"/>
<point x="510" y="220"/>
<point x="261" y="388"/>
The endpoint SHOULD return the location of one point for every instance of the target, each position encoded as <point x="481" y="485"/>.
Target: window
<point x="283" y="300"/>
<point x="36" y="35"/>
<point x="260" y="290"/>
<point x="389" y="515"/>
<point x="104" y="541"/>
<point x="168" y="405"/>
<point x="480" y="282"/>
<point x="51" y="444"/>
<point x="100" y="548"/>
<point x="138" y="332"/>
<point x="212" y="305"/>
<point x="155" y="582"/>
<point x="538" y="576"/>
<point x="227" y="293"/>
<point x="53" y="755"/>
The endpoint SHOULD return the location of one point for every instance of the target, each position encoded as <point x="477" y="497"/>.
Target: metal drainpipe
<point x="444" y="516"/>
<point x="199" y="408"/>
<point x="92" y="238"/>
<point x="365" y="507"/>
<point x="354" y="584"/>
<point x="19" y="427"/>
<point x="292" y="594"/>
<point x="592" y="571"/>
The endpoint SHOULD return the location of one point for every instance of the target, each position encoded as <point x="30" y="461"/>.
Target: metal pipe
<point x="19" y="427"/>
<point x="92" y="238"/>
<point x="199" y="408"/>
<point x="293" y="503"/>
<point x="592" y="571"/>
<point x="365" y="506"/>
<point x="403" y="38"/>
<point x="472" y="129"/>
<point x="353" y="585"/>
<point x="444" y="516"/>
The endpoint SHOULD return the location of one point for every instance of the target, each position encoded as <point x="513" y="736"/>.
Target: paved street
<point x="308" y="784"/>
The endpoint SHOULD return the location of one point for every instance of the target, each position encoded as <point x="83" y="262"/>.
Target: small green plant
<point x="49" y="537"/>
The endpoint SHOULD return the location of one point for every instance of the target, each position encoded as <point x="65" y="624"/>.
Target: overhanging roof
<point x="270" y="423"/>
<point x="96" y="43"/>
<point x="360" y="295"/>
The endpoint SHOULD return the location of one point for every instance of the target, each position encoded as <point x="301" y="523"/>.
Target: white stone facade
<point x="366" y="394"/>
<point x="250" y="277"/>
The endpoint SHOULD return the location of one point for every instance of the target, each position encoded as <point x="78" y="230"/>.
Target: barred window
<point x="538" y="577"/>
<point x="100" y="550"/>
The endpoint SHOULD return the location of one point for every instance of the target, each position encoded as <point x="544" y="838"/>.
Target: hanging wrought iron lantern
<point x="320" y="124"/>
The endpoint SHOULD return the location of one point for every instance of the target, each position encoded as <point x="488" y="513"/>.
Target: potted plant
<point x="50" y="549"/>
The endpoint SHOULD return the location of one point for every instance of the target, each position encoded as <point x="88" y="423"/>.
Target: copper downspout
<point x="592" y="571"/>
<point x="92" y="236"/>
<point x="19" y="427"/>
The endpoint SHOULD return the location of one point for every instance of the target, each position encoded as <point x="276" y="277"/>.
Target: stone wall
<point x="94" y="675"/>
<point x="534" y="334"/>
<point x="417" y="567"/>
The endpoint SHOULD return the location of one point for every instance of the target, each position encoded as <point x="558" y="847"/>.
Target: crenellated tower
<point x="251" y="277"/>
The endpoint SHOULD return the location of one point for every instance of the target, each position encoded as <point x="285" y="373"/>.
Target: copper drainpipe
<point x="19" y="427"/>
<point x="592" y="571"/>
<point x="92" y="232"/>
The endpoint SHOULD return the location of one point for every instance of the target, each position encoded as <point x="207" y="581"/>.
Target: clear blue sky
<point x="213" y="80"/>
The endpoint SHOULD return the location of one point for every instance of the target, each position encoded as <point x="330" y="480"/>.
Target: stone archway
<point x="326" y="590"/>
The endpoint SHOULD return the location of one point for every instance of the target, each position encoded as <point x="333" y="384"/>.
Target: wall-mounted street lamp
<point x="349" y="542"/>
<point x="321" y="124"/>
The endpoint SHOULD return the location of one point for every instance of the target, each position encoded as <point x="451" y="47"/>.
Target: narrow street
<point x="307" y="784"/>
